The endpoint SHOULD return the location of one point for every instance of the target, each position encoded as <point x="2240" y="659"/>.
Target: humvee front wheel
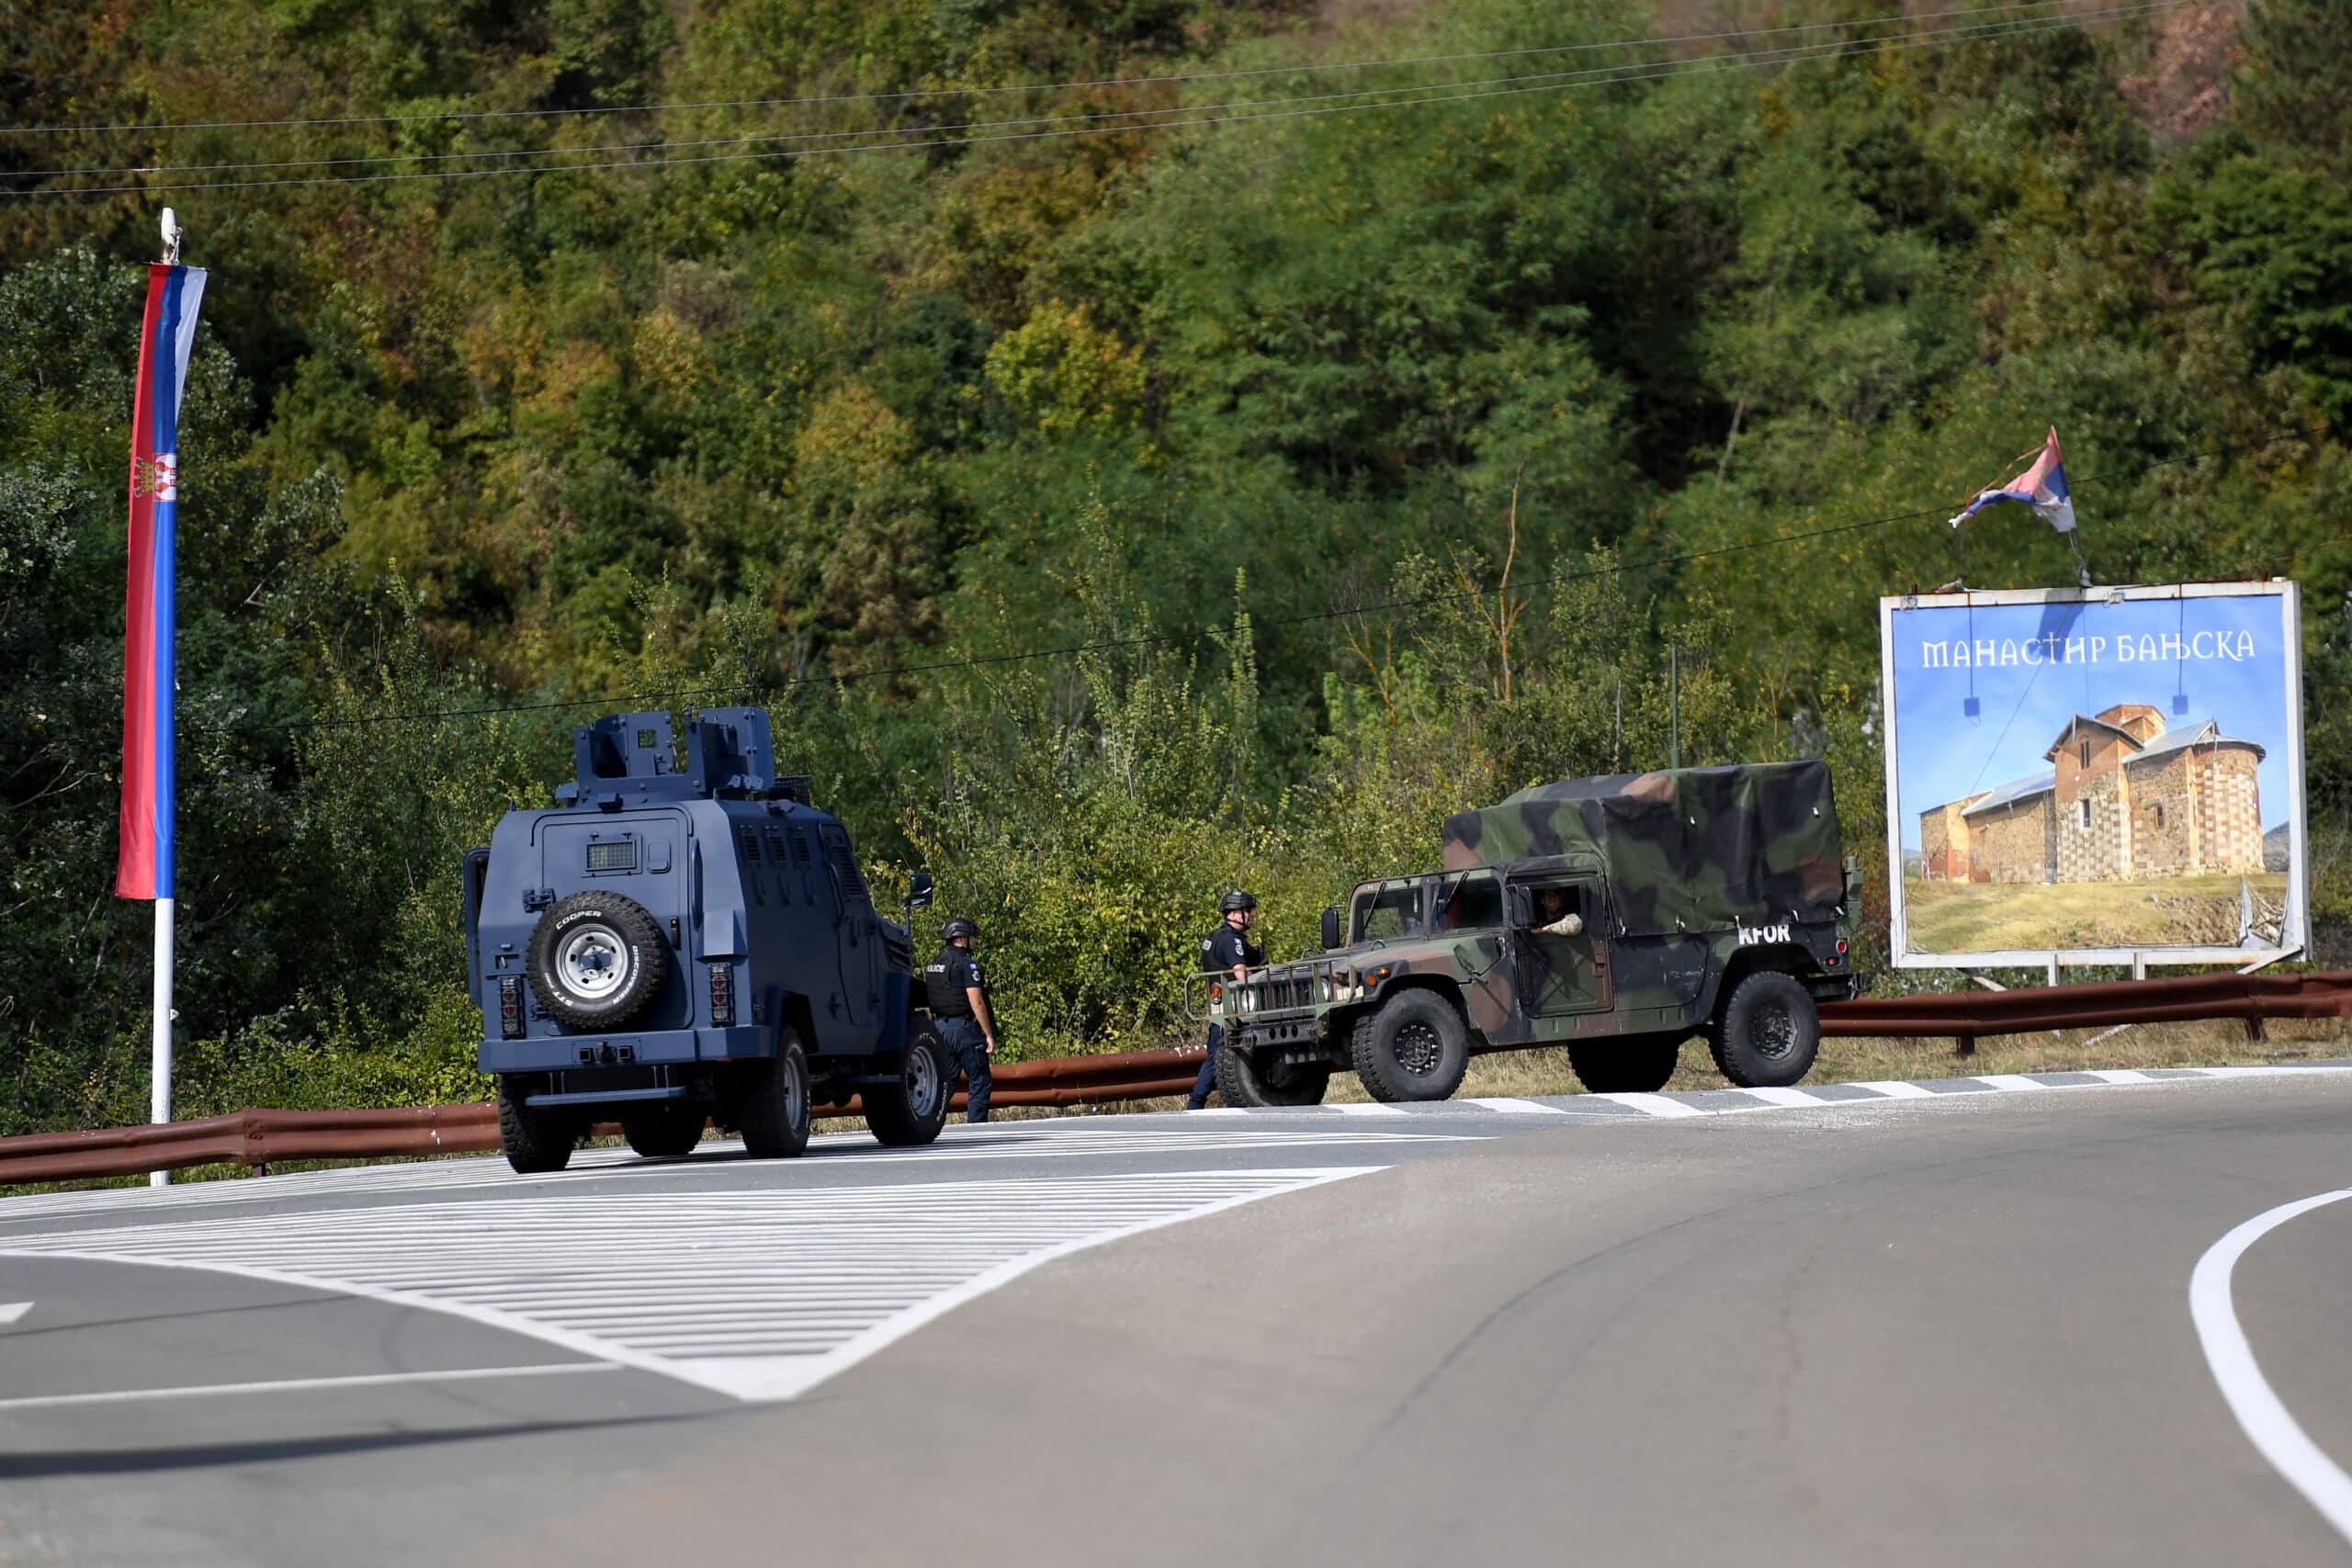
<point x="1414" y="1047"/>
<point x="911" y="1111"/>
<point x="663" y="1132"/>
<point x="1637" y="1065"/>
<point x="1768" y="1032"/>
<point x="1240" y="1081"/>
<point x="536" y="1139"/>
<point x="772" y="1101"/>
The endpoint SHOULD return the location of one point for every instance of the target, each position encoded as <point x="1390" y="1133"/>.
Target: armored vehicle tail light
<point x="722" y="994"/>
<point x="510" y="1007"/>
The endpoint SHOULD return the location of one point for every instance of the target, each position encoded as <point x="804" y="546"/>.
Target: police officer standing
<point x="959" y="1003"/>
<point x="1228" y="951"/>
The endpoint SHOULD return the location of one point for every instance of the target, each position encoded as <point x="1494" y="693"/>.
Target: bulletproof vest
<point x="947" y="998"/>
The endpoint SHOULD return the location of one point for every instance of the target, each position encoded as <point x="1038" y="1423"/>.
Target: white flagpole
<point x="159" y="1105"/>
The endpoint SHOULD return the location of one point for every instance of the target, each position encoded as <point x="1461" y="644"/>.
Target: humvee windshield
<point x="1382" y="911"/>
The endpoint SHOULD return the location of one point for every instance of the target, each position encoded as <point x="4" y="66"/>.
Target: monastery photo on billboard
<point x="2124" y="798"/>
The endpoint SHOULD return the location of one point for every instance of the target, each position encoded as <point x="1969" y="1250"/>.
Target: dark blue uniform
<point x="946" y="978"/>
<point x="1220" y="951"/>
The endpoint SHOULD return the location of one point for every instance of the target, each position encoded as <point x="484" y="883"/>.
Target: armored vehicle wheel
<point x="912" y="1110"/>
<point x="596" y="959"/>
<point x="1641" y="1065"/>
<point x="772" y="1101"/>
<point x="664" y="1131"/>
<point x="535" y="1139"/>
<point x="1241" y="1082"/>
<point x="1768" y="1032"/>
<point x="1415" y="1048"/>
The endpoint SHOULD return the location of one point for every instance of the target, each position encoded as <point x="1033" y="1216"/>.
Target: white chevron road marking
<point x="761" y="1295"/>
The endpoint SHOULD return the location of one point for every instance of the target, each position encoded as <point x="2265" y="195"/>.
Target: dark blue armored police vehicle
<point x="663" y="948"/>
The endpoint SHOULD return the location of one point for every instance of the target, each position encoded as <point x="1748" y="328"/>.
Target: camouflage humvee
<point x="1616" y="916"/>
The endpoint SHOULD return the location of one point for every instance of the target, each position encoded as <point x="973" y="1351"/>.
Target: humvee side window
<point x="1387" y="911"/>
<point x="1475" y="902"/>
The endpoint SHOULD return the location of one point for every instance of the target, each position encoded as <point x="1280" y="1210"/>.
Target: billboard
<point x="2102" y="775"/>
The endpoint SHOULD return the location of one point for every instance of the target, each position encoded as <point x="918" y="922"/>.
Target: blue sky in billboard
<point x="2031" y="667"/>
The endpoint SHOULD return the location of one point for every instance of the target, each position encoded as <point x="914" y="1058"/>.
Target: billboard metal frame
<point x="2295" y="929"/>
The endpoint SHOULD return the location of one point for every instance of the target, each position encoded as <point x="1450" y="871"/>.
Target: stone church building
<point x="2123" y="797"/>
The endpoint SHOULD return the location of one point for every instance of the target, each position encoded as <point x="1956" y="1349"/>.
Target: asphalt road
<point x="1942" y="1324"/>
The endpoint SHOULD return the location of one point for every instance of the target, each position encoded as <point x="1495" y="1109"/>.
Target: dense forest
<point x="1134" y="446"/>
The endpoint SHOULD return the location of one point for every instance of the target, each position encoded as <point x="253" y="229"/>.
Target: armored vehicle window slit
<point x="837" y="850"/>
<point x="751" y="865"/>
<point x="776" y="856"/>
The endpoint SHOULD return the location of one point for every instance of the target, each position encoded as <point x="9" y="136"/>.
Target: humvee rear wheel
<point x="772" y="1101"/>
<point x="536" y="1139"/>
<point x="1242" y="1080"/>
<point x="596" y="959"/>
<point x="1769" y="1031"/>
<point x="664" y="1131"/>
<point x="1639" y="1066"/>
<point x="913" y="1108"/>
<point x="1415" y="1048"/>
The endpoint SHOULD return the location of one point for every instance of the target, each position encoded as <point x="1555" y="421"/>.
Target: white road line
<point x="760" y="1294"/>
<point x="1787" y="1097"/>
<point x="1517" y="1106"/>
<point x="2013" y="1082"/>
<point x="1653" y="1104"/>
<point x="1039" y="1140"/>
<point x="2120" y="1075"/>
<point x="300" y="1385"/>
<point x="1896" y="1091"/>
<point x="1367" y="1107"/>
<point x="11" y="1311"/>
<point x="2267" y="1424"/>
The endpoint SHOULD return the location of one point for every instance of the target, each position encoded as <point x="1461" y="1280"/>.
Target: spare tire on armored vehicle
<point x="596" y="959"/>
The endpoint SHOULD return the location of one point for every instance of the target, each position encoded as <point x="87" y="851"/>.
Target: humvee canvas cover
<point x="1694" y="849"/>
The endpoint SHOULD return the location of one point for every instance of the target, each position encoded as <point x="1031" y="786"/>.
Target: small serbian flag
<point x="145" y="868"/>
<point x="2041" y="487"/>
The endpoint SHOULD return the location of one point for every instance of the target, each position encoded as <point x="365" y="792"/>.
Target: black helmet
<point x="1237" y="899"/>
<point x="958" y="927"/>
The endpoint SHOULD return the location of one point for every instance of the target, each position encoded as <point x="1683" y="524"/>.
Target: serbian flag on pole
<point x="2041" y="487"/>
<point x="144" y="869"/>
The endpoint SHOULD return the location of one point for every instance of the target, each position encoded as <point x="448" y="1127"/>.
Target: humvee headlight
<point x="1217" y="995"/>
<point x="1378" y="973"/>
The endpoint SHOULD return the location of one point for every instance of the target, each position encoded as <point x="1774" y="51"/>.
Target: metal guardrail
<point x="261" y="1138"/>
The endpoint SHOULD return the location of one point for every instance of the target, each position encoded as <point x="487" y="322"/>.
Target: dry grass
<point x="2002" y="917"/>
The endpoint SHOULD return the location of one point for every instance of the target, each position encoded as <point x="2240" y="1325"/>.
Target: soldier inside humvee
<point x="1553" y="915"/>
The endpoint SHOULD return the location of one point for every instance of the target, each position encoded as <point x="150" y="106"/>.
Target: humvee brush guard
<point x="1616" y="916"/>
<point x="663" y="949"/>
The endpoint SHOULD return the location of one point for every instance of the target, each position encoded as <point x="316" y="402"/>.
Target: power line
<point x="1065" y="651"/>
<point x="964" y="91"/>
<point x="748" y="139"/>
<point x="1542" y="584"/>
<point x="1767" y="56"/>
<point x="1190" y="116"/>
